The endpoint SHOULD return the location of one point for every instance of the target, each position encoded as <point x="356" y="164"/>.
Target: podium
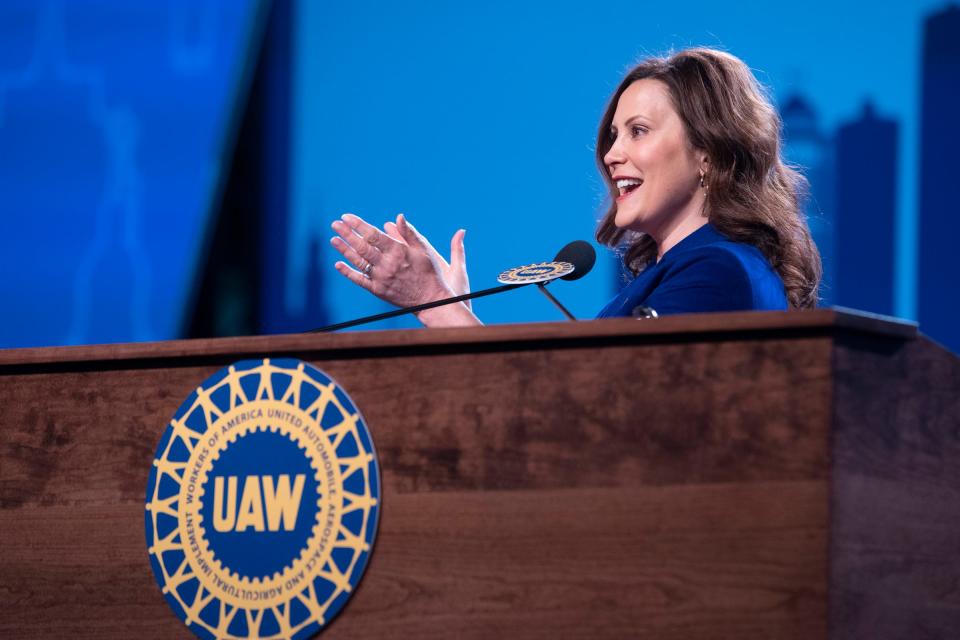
<point x="745" y="475"/>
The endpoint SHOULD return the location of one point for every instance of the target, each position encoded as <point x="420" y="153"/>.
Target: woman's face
<point x="655" y="168"/>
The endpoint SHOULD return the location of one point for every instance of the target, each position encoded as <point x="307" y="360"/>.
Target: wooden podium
<point x="746" y="475"/>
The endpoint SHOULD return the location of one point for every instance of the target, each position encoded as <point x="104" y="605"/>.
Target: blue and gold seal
<point x="538" y="272"/>
<point x="262" y="503"/>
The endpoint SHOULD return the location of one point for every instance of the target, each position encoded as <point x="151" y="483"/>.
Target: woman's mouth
<point x="626" y="186"/>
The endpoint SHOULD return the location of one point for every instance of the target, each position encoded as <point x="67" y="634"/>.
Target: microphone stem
<point x="543" y="287"/>
<point x="421" y="307"/>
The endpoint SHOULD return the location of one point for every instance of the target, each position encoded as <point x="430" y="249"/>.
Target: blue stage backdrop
<point x="480" y="116"/>
<point x="113" y="121"/>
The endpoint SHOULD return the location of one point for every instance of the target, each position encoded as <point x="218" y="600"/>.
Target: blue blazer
<point x="703" y="272"/>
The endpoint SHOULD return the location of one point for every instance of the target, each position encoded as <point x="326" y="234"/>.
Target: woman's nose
<point x="614" y="155"/>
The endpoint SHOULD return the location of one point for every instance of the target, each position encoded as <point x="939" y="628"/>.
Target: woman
<point x="703" y="209"/>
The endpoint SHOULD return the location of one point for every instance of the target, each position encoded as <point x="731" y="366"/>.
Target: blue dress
<point x="703" y="272"/>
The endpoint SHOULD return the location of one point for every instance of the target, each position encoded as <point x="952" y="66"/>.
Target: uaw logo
<point x="539" y="272"/>
<point x="262" y="503"/>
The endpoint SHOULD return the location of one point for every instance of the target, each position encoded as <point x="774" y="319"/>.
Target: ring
<point x="368" y="269"/>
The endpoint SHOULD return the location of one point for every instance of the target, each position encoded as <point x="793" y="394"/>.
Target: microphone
<point x="572" y="262"/>
<point x="582" y="256"/>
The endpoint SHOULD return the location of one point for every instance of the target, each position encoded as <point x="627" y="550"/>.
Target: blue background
<point x="114" y="115"/>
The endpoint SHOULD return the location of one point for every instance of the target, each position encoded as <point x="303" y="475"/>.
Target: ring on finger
<point x="368" y="269"/>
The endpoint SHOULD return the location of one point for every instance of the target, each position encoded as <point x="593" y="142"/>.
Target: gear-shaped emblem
<point x="263" y="501"/>
<point x="538" y="272"/>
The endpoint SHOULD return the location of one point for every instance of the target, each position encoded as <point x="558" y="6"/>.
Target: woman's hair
<point x="752" y="196"/>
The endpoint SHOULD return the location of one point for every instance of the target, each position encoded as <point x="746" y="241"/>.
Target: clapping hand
<point x="400" y="265"/>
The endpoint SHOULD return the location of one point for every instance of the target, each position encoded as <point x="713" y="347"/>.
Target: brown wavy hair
<point x="752" y="195"/>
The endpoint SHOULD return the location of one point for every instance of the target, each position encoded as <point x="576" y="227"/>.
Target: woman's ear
<point x="704" y="164"/>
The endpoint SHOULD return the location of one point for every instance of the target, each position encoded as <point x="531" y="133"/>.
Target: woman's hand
<point x="402" y="267"/>
<point x="454" y="273"/>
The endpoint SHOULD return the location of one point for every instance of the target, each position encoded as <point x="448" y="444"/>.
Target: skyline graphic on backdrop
<point x="852" y="203"/>
<point x="854" y="183"/>
<point x="939" y="306"/>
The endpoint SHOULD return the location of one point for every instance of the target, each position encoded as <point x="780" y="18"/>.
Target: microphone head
<point x="581" y="255"/>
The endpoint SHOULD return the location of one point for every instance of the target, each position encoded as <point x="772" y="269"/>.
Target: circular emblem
<point x="539" y="272"/>
<point x="262" y="503"/>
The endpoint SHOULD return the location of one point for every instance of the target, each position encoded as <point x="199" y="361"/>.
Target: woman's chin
<point x="622" y="221"/>
<point x="629" y="222"/>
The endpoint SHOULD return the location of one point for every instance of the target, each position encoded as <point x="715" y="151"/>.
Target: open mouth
<point x="626" y="186"/>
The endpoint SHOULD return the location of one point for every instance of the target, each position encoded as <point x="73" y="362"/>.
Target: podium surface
<point x="741" y="475"/>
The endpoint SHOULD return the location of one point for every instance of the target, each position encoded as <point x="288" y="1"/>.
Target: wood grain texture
<point x="896" y="519"/>
<point x="593" y="481"/>
<point x="672" y="562"/>
<point x="535" y="419"/>
<point x="668" y="562"/>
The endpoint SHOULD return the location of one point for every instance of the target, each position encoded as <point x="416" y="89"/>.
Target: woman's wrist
<point x="449" y="315"/>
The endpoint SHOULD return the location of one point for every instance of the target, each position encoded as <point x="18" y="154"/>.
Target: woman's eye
<point x="637" y="130"/>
